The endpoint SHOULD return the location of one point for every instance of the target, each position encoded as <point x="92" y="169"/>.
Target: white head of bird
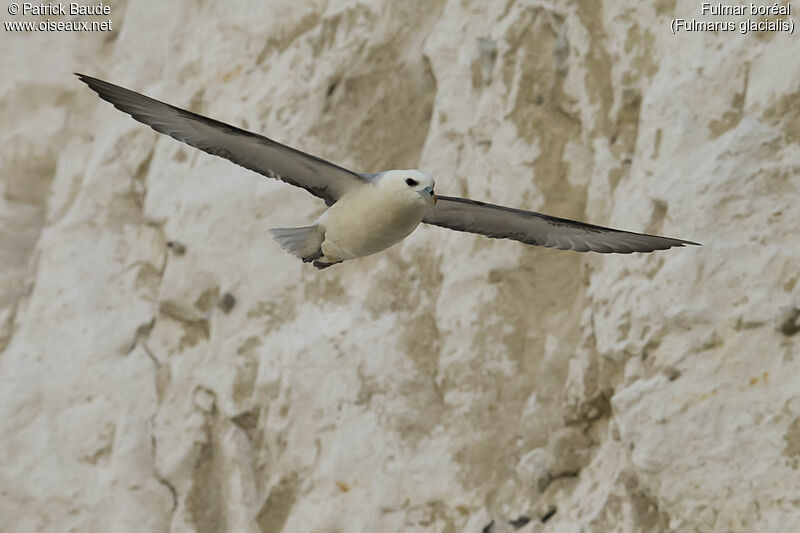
<point x="411" y="186"/>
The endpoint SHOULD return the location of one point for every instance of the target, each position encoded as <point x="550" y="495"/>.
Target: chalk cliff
<point x="164" y="365"/>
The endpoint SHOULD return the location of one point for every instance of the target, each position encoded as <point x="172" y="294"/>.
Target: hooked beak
<point x="429" y="190"/>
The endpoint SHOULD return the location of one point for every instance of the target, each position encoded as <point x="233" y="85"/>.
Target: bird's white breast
<point x="367" y="221"/>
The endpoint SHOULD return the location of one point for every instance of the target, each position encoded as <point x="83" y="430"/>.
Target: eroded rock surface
<point x="165" y="366"/>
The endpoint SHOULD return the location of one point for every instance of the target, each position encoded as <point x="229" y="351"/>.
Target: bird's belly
<point x="364" y="228"/>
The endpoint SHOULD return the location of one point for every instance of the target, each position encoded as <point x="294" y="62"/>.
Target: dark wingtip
<point x="88" y="80"/>
<point x="95" y="84"/>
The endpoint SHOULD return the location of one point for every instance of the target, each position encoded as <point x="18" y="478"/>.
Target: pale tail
<point x="304" y="242"/>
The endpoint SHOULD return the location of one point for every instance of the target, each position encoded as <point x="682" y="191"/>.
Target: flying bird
<point x="367" y="213"/>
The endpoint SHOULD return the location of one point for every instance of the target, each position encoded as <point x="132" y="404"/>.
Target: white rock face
<point x="165" y="366"/>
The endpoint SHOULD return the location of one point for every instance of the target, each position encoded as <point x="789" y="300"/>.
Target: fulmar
<point x="367" y="212"/>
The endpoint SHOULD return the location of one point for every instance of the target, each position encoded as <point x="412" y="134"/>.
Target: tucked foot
<point x="320" y="265"/>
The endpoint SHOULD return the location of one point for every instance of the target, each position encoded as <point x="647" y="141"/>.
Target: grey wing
<point x="252" y="151"/>
<point x="500" y="222"/>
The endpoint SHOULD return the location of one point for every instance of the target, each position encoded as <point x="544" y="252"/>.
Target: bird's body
<point x="367" y="213"/>
<point x="377" y="216"/>
<point x="364" y="221"/>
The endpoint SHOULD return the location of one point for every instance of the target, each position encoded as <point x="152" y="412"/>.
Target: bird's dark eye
<point x="411" y="183"/>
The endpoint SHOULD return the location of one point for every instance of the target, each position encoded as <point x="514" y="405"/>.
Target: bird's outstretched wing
<point x="500" y="222"/>
<point x="252" y="151"/>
